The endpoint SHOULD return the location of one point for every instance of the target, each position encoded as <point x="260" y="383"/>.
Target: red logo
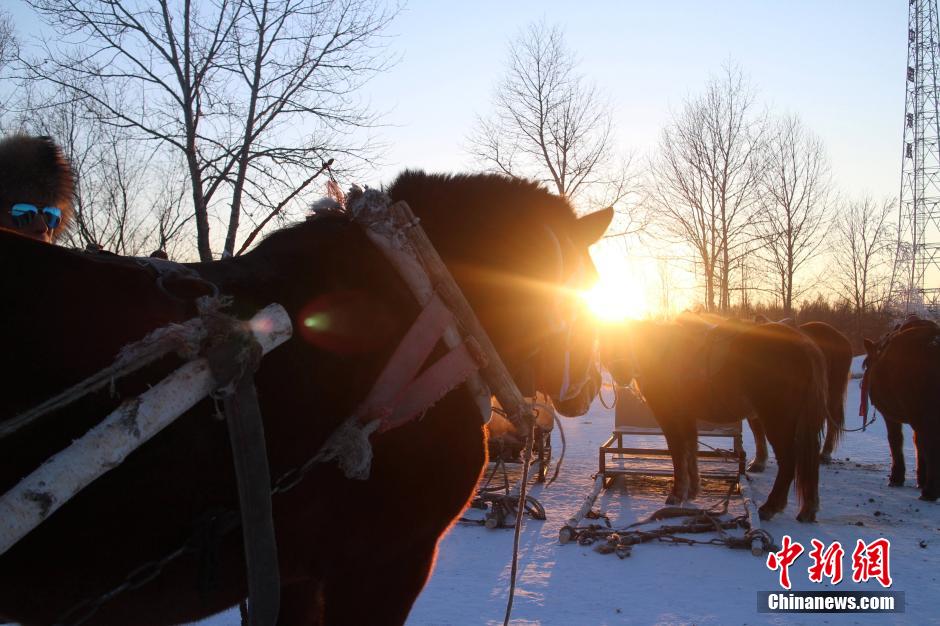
<point x="871" y="561"/>
<point x="784" y="559"/>
<point x="826" y="562"/>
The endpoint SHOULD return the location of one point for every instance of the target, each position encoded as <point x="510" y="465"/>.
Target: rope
<point x="600" y="393"/>
<point x="502" y="504"/>
<point x="866" y="422"/>
<point x="564" y="446"/>
<point x="728" y="455"/>
<point x="184" y="339"/>
<point x="530" y="437"/>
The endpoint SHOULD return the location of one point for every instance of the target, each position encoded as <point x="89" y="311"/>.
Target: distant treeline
<point x="841" y="315"/>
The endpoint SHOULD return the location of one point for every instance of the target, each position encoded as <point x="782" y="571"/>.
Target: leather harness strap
<point x="400" y="393"/>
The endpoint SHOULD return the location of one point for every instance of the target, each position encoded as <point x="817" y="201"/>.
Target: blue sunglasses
<point x="23" y="214"/>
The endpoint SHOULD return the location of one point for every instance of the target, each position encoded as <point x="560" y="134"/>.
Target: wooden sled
<point x="498" y="491"/>
<point x="637" y="447"/>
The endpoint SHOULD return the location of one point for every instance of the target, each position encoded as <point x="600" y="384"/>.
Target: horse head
<point x="618" y="352"/>
<point x="567" y="359"/>
<point x="520" y="255"/>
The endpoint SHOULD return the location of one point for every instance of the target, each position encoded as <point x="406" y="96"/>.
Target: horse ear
<point x="592" y="227"/>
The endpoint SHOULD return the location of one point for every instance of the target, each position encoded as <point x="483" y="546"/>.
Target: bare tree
<point x="127" y="197"/>
<point x="863" y="246"/>
<point x="795" y="197"/>
<point x="253" y="94"/>
<point x="549" y="124"/>
<point x="8" y="44"/>
<point x="704" y="179"/>
<point x="9" y="48"/>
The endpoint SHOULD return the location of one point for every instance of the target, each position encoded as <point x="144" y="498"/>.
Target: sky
<point x="839" y="66"/>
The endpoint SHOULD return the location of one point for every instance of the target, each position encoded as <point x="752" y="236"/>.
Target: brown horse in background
<point x="837" y="351"/>
<point x="902" y="378"/>
<point x="722" y="374"/>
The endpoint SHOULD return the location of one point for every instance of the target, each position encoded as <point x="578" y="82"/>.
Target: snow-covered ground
<point x="676" y="584"/>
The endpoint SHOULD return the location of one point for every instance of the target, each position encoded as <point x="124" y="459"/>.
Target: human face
<point x="31" y="220"/>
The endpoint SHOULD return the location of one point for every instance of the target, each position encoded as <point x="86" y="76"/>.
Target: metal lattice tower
<point x="916" y="284"/>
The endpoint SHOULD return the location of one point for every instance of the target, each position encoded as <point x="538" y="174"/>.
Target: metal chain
<point x="82" y="612"/>
<point x="147" y="572"/>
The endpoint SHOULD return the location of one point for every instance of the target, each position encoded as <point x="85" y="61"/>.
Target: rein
<point x="864" y="391"/>
<point x="570" y="386"/>
<point x="868" y="417"/>
<point x="600" y="392"/>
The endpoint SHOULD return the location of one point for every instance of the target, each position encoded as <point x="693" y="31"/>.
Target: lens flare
<point x="317" y="321"/>
<point x="613" y="300"/>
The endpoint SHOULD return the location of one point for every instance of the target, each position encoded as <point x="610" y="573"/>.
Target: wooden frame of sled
<point x="499" y="498"/>
<point x="494" y="487"/>
<point x="634" y="419"/>
<point x="615" y="459"/>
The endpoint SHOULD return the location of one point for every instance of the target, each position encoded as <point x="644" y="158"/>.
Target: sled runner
<point x="637" y="447"/>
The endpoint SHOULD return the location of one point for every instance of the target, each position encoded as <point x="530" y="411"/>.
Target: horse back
<point x="905" y="377"/>
<point x="685" y="374"/>
<point x="775" y="359"/>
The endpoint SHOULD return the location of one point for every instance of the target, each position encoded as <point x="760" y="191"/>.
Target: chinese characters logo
<point x="869" y="561"/>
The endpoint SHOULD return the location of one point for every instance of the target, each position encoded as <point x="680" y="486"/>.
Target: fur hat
<point x="34" y="170"/>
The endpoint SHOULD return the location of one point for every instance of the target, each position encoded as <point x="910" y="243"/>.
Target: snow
<point x="677" y="584"/>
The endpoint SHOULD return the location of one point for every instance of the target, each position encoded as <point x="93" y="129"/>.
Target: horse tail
<point x="812" y="414"/>
<point x="839" y="364"/>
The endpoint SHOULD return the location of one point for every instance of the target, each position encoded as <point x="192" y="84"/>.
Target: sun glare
<point x="615" y="299"/>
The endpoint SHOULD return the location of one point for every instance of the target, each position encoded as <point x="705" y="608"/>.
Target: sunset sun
<point x="613" y="299"/>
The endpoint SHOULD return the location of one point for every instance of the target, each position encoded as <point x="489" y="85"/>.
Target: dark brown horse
<point x="722" y="374"/>
<point x="837" y="350"/>
<point x="351" y="551"/>
<point x="902" y="378"/>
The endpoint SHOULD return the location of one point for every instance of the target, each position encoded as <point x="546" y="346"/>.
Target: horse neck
<point x="654" y="345"/>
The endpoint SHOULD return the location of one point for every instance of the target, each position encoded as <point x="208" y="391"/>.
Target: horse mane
<point x="476" y="194"/>
<point x="35" y="170"/>
<point x="462" y="202"/>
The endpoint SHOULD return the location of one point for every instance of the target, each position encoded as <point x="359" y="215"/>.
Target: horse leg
<point x="830" y="443"/>
<point x="928" y="463"/>
<point x="680" y="479"/>
<point x="759" y="464"/>
<point x="784" y="448"/>
<point x="690" y="435"/>
<point x="896" y="444"/>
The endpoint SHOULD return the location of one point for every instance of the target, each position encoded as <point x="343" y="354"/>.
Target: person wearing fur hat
<point x="36" y="186"/>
